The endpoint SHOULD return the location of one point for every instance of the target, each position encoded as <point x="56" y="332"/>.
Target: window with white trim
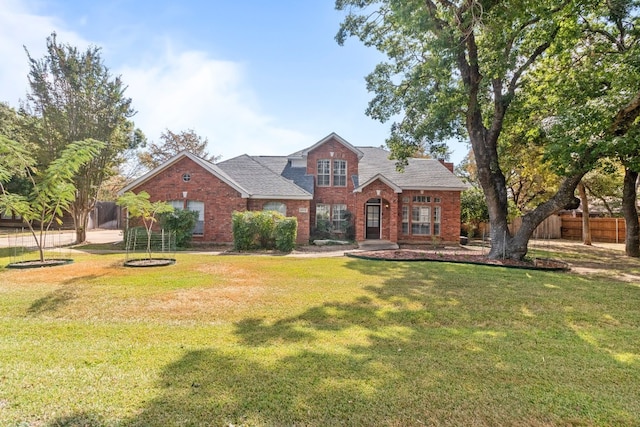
<point x="340" y="173"/>
<point x="405" y="220"/>
<point x="323" y="215"/>
<point x="338" y="217"/>
<point x="177" y="204"/>
<point x="193" y="205"/>
<point x="323" y="177"/>
<point x="436" y="220"/>
<point x="421" y="220"/>
<point x="421" y="199"/>
<point x="275" y="206"/>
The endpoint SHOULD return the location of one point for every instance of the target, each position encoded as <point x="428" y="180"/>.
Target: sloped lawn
<point x="262" y="340"/>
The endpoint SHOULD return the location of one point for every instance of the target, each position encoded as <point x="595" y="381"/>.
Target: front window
<point x="339" y="220"/>
<point x="405" y="220"/>
<point x="276" y="206"/>
<point x="324" y="173"/>
<point x="340" y="173"/>
<point x="322" y="216"/>
<point x="436" y="220"/>
<point x="421" y="220"/>
<point x="197" y="207"/>
<point x="177" y="204"/>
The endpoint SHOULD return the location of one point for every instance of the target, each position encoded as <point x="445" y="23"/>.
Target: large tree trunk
<point x="586" y="226"/>
<point x="516" y="246"/>
<point x="630" y="213"/>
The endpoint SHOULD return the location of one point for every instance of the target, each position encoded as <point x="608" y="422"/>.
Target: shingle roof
<point x="282" y="166"/>
<point x="419" y="174"/>
<point x="261" y="179"/>
<point x="210" y="167"/>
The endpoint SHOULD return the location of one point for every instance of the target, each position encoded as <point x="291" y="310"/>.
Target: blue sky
<point x="253" y="76"/>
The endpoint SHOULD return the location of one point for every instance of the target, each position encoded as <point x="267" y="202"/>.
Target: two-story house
<point x="318" y="186"/>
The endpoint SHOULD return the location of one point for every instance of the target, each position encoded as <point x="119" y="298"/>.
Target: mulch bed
<point x="456" y="257"/>
<point x="149" y="262"/>
<point x="54" y="262"/>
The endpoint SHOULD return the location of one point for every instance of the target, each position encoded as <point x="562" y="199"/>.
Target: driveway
<point x="10" y="238"/>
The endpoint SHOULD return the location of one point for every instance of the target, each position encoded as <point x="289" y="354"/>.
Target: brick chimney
<point x="447" y="165"/>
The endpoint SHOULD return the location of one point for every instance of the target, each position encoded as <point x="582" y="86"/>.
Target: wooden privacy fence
<point x="549" y="229"/>
<point x="605" y="230"/>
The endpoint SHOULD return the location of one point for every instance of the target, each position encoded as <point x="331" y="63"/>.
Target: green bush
<point x="243" y="231"/>
<point x="181" y="222"/>
<point x="263" y="230"/>
<point x="286" y="232"/>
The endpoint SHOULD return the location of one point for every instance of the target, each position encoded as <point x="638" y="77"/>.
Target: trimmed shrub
<point x="243" y="231"/>
<point x="264" y="230"/>
<point x="286" y="232"/>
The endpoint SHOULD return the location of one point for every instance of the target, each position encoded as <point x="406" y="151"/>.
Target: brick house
<point x="318" y="186"/>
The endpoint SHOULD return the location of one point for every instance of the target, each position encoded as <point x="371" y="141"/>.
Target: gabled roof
<point x="382" y="178"/>
<point x="327" y="138"/>
<point x="282" y="166"/>
<point x="209" y="167"/>
<point x="419" y="174"/>
<point x="261" y="180"/>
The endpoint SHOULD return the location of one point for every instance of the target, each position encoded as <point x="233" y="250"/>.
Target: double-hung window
<point x="421" y="220"/>
<point x="193" y="205"/>
<point x="323" y="215"/>
<point x="436" y="220"/>
<point x="324" y="173"/>
<point x="405" y="220"/>
<point x="339" y="220"/>
<point x="340" y="173"/>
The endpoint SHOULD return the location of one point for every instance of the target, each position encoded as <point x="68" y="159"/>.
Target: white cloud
<point x="21" y="27"/>
<point x="175" y="90"/>
<point x="189" y="90"/>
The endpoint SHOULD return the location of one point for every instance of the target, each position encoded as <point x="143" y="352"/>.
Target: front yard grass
<point x="271" y="340"/>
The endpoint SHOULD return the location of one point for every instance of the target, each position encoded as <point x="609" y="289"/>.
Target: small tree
<point x="473" y="209"/>
<point x="139" y="206"/>
<point x="52" y="190"/>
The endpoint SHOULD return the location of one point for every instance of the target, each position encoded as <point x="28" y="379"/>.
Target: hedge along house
<point x="319" y="186"/>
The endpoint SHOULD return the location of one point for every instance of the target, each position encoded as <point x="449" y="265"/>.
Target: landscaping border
<point x="559" y="266"/>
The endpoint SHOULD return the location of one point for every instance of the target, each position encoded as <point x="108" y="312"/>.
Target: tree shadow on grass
<point x="52" y="301"/>
<point x="60" y="297"/>
<point x="412" y="351"/>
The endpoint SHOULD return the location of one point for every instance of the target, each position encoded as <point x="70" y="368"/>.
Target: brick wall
<point x="297" y="208"/>
<point x="389" y="209"/>
<point x="331" y="194"/>
<point x="450" y="215"/>
<point x="220" y="200"/>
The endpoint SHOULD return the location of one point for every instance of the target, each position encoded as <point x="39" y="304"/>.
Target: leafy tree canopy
<point x="171" y="144"/>
<point x="467" y="69"/>
<point x="76" y="98"/>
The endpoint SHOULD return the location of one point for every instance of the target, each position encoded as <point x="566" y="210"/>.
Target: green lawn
<point x="267" y="340"/>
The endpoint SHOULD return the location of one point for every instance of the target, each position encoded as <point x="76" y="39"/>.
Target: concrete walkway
<point x="377" y="245"/>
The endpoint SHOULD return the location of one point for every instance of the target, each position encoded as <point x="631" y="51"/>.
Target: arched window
<point x="276" y="206"/>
